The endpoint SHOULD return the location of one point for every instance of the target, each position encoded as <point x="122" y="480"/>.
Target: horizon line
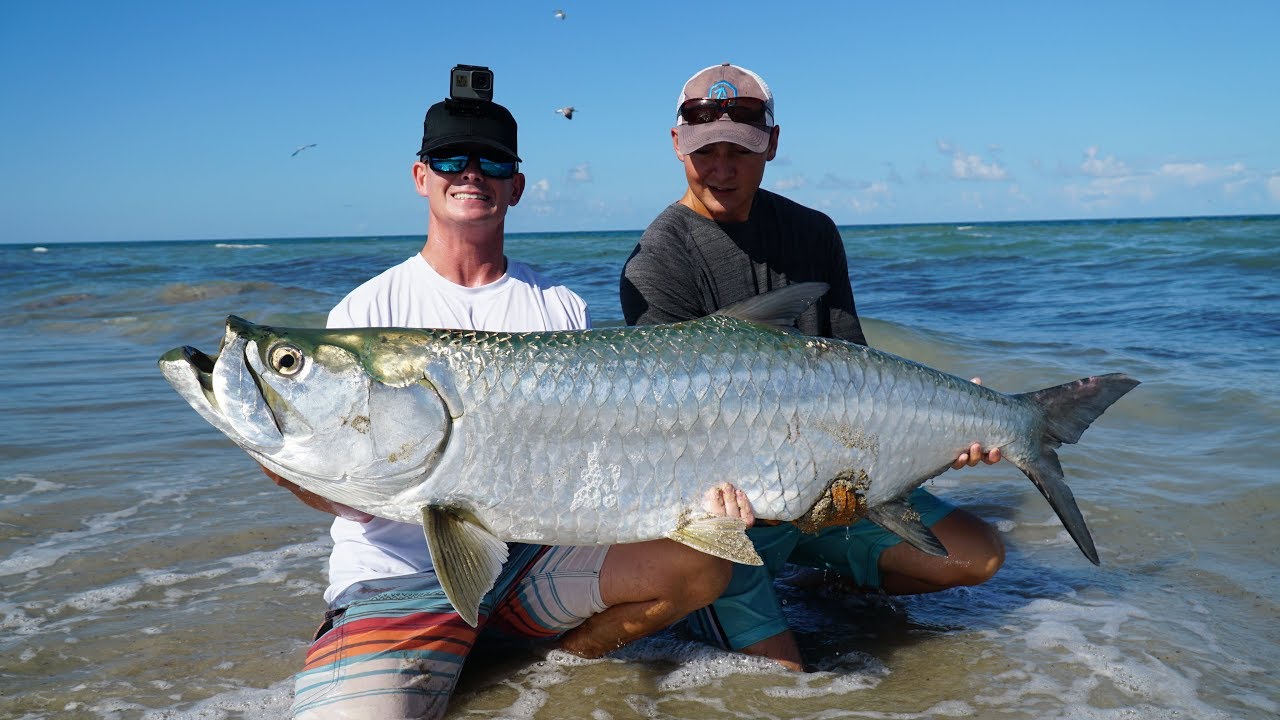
<point x="957" y="223"/>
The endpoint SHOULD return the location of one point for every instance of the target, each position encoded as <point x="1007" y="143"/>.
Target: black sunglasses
<point x="749" y="110"/>
<point x="500" y="169"/>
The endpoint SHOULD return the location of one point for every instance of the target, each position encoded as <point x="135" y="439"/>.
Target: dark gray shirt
<point x="687" y="266"/>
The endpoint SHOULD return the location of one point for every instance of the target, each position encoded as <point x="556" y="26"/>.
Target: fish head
<point x="309" y="405"/>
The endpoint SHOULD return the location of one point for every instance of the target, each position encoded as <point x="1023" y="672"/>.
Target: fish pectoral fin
<point x="466" y="556"/>
<point x="720" y="536"/>
<point x="899" y="518"/>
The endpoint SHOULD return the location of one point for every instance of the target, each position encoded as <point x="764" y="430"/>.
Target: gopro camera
<point x="471" y="82"/>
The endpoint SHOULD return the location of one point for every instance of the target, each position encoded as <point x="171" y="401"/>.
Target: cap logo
<point x="721" y="90"/>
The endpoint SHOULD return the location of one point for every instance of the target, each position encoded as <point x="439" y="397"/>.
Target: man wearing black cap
<point x="726" y="240"/>
<point x="391" y="644"/>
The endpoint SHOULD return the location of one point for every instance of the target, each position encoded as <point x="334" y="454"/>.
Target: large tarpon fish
<point x="613" y="435"/>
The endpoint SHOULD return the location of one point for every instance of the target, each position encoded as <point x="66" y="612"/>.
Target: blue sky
<point x="176" y="120"/>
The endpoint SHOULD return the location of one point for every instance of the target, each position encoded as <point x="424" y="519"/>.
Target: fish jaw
<point x="240" y="399"/>
<point x="224" y="390"/>
<point x="190" y="372"/>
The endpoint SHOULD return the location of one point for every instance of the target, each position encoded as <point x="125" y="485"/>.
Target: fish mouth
<point x="226" y="391"/>
<point x="203" y="366"/>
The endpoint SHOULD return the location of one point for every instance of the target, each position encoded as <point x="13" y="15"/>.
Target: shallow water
<point x="147" y="569"/>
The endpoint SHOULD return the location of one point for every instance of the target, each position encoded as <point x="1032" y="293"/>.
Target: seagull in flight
<point x="301" y="148"/>
<point x="567" y="112"/>
<point x="559" y="14"/>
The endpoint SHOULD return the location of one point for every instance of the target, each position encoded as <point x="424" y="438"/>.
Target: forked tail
<point x="1068" y="411"/>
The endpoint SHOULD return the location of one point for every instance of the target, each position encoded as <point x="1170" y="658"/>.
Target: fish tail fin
<point x="1068" y="411"/>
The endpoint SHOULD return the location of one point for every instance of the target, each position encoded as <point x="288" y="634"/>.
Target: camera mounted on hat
<point x="470" y="86"/>
<point x="469" y="118"/>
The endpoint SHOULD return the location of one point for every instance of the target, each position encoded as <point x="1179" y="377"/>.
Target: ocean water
<point x="149" y="570"/>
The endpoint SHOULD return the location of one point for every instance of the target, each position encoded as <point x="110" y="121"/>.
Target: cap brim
<point x="693" y="137"/>
<point x="471" y="141"/>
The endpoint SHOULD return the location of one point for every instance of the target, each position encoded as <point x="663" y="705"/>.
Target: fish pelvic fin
<point x="899" y="518"/>
<point x="1068" y="411"/>
<point x="777" y="308"/>
<point x="466" y="556"/>
<point x="719" y="536"/>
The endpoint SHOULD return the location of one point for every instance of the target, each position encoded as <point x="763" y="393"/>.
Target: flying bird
<point x="567" y="112"/>
<point x="301" y="148"/>
<point x="559" y="14"/>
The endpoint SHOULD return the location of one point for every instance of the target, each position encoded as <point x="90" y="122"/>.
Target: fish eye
<point x="286" y="359"/>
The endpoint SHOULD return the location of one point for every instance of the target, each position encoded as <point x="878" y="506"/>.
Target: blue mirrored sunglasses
<point x="500" y="169"/>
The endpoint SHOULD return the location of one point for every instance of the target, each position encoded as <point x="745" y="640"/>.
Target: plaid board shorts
<point x="394" y="647"/>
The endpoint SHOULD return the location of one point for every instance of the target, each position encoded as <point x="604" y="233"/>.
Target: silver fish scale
<point x="621" y="433"/>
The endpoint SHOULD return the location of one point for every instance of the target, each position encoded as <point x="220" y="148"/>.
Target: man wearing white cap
<point x="727" y="240"/>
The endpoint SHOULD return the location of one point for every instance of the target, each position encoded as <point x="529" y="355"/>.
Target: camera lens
<point x="481" y="80"/>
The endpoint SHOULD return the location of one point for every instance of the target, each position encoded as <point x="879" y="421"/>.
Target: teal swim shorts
<point x="749" y="611"/>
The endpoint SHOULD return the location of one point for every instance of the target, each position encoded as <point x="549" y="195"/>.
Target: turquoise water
<point x="148" y="570"/>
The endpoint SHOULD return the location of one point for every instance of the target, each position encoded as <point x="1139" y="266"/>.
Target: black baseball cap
<point x="479" y="123"/>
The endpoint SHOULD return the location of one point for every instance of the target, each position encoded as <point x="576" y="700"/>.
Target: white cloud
<point x="1273" y="187"/>
<point x="831" y="181"/>
<point x="862" y="205"/>
<point x="1237" y="187"/>
<point x="1110" y="192"/>
<point x="538" y="191"/>
<point x="1194" y="174"/>
<point x="967" y="166"/>
<point x="580" y="173"/>
<point x="1112" y="183"/>
<point x="789" y="183"/>
<point x="1104" y="167"/>
<point x="870" y="198"/>
<point x="971" y="167"/>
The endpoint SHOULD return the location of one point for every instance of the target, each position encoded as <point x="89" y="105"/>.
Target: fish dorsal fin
<point x="466" y="556"/>
<point x="778" y="308"/>
<point x="719" y="536"/>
